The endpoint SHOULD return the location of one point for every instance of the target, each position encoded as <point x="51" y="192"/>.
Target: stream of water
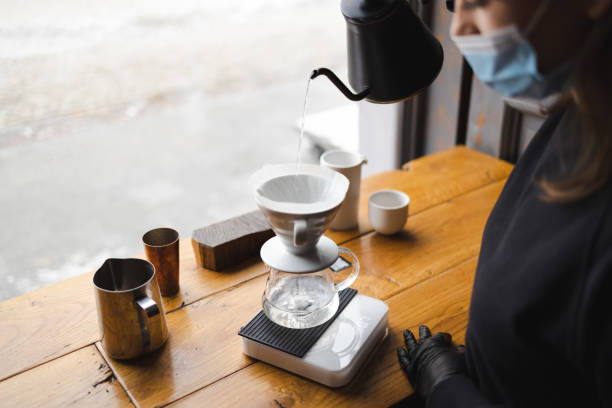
<point x="299" y="148"/>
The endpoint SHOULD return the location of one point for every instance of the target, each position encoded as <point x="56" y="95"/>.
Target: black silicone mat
<point x="293" y="341"/>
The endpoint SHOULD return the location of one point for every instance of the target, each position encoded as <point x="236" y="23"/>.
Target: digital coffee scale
<point x="336" y="355"/>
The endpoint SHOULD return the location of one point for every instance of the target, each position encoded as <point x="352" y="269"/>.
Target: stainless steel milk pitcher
<point x="130" y="310"/>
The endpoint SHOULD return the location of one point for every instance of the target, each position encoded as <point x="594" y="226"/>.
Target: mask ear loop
<point x="537" y="16"/>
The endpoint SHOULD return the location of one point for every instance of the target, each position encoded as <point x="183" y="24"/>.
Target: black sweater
<point x="540" y="325"/>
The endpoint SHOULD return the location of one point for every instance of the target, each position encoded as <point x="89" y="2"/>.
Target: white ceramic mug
<point x="388" y="211"/>
<point x="348" y="164"/>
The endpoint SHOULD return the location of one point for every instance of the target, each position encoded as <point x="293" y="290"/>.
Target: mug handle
<point x="149" y="315"/>
<point x="351" y="278"/>
<point x="300" y="227"/>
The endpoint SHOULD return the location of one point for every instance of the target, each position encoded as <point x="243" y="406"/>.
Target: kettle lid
<point x="275" y="254"/>
<point x="363" y="11"/>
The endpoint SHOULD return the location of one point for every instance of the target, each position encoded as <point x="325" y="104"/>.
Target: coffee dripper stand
<point x="299" y="205"/>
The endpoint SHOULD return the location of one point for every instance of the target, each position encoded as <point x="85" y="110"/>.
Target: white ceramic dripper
<point x="299" y="202"/>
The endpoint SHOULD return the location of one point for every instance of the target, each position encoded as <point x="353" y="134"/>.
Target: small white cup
<point x="388" y="211"/>
<point x="348" y="164"/>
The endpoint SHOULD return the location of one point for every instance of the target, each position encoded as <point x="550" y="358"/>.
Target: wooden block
<point x="227" y="243"/>
<point x="79" y="379"/>
<point x="442" y="303"/>
<point x="203" y="346"/>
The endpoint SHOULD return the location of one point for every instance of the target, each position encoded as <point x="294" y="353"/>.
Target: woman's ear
<point x="596" y="8"/>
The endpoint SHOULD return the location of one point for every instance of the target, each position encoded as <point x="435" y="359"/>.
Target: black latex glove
<point x="431" y="360"/>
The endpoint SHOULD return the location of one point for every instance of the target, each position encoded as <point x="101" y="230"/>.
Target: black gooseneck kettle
<point x="392" y="55"/>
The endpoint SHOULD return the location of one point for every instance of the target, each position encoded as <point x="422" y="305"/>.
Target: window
<point x="117" y="117"/>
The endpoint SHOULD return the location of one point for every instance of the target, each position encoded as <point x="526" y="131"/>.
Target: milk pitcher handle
<point x="351" y="278"/>
<point x="149" y="316"/>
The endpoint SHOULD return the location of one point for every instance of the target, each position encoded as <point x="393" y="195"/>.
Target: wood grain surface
<point x="230" y="242"/>
<point x="225" y="231"/>
<point x="429" y="181"/>
<point x="56" y="320"/>
<point x="431" y="242"/>
<point x="203" y="345"/>
<point x="47" y="323"/>
<point x="81" y="379"/>
<point x="442" y="303"/>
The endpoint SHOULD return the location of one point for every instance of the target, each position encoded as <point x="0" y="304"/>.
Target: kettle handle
<point x="351" y="278"/>
<point x="152" y="316"/>
<point x="339" y="84"/>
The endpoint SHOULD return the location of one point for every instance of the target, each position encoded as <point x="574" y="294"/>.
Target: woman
<point x="540" y="324"/>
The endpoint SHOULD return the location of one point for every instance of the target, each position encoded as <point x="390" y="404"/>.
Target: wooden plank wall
<point x="484" y="119"/>
<point x="442" y="98"/>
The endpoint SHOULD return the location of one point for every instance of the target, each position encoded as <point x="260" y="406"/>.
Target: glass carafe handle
<point x="351" y="278"/>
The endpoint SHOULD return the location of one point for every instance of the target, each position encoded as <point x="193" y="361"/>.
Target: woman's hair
<point x="589" y="100"/>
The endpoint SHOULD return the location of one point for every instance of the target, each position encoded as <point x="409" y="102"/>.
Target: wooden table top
<point x="50" y="354"/>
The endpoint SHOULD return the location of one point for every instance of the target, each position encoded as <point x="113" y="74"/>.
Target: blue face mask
<point x="506" y="61"/>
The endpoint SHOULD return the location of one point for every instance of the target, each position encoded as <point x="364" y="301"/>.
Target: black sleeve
<point x="603" y="369"/>
<point x="458" y="391"/>
<point x="594" y="319"/>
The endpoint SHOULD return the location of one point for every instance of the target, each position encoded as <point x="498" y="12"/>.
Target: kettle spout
<point x="336" y="81"/>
